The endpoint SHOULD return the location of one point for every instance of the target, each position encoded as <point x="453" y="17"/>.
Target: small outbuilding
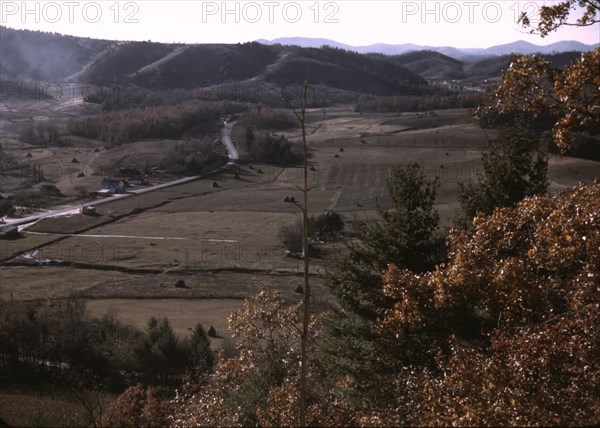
<point x="88" y="210"/>
<point x="114" y="185"/>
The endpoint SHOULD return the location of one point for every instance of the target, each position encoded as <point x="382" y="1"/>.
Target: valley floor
<point x="224" y="242"/>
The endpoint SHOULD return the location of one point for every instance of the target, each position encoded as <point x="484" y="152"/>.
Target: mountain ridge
<point x="40" y="56"/>
<point x="463" y="54"/>
<point x="51" y="57"/>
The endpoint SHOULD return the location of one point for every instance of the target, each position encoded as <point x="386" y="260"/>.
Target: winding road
<point x="232" y="151"/>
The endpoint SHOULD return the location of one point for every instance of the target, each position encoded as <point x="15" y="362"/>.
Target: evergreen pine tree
<point x="158" y="354"/>
<point x="202" y="356"/>
<point x="405" y="235"/>
<point x="517" y="170"/>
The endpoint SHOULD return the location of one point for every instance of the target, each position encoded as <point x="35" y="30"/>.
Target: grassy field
<point x="184" y="314"/>
<point x="224" y="241"/>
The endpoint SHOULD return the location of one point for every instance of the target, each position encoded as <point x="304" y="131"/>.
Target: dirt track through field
<point x="152" y="238"/>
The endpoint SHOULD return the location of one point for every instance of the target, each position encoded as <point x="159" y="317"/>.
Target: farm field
<point x="183" y="314"/>
<point x="223" y="239"/>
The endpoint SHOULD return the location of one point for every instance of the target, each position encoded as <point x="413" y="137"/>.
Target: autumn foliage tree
<point x="259" y="386"/>
<point x="507" y="331"/>
<point x="555" y="16"/>
<point x="268" y="342"/>
<point x="137" y="407"/>
<point x="569" y="95"/>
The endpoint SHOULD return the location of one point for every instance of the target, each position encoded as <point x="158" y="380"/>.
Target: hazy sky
<point x="355" y="22"/>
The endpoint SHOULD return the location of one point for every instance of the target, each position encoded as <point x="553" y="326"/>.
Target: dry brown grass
<point x="184" y="314"/>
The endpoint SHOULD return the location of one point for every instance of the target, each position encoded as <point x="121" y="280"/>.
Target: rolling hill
<point x="436" y="67"/>
<point x="53" y="57"/>
<point x="493" y="67"/>
<point x="45" y="56"/>
<point x="431" y="65"/>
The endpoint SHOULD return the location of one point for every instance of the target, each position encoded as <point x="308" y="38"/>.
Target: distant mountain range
<point x="467" y="54"/>
<point x="385" y="70"/>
